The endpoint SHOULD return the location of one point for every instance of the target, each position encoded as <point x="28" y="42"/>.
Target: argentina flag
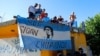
<point x="45" y="36"/>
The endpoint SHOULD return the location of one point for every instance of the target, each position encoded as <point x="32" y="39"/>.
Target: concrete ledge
<point x="10" y="22"/>
<point x="78" y="30"/>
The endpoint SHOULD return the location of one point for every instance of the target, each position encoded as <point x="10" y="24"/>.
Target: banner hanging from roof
<point x="42" y="35"/>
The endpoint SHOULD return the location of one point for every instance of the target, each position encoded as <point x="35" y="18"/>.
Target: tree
<point x="93" y="33"/>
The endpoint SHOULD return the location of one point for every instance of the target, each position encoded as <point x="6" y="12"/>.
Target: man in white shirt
<point x="32" y="10"/>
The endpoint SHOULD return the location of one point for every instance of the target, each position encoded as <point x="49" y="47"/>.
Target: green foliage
<point x="93" y="25"/>
<point x="93" y="32"/>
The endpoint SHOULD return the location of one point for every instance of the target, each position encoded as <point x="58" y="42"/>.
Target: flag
<point x="43" y="35"/>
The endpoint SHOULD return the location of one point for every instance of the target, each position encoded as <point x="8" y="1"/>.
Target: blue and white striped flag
<point x="43" y="35"/>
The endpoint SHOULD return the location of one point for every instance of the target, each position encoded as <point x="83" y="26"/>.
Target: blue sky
<point x="82" y="8"/>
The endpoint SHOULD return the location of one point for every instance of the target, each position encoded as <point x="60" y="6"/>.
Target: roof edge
<point x="10" y="22"/>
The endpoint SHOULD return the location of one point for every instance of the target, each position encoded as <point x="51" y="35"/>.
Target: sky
<point x="82" y="8"/>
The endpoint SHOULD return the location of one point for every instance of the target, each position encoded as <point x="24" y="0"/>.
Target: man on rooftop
<point x="72" y="18"/>
<point x="32" y="11"/>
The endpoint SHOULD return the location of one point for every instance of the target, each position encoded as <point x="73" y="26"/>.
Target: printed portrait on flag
<point x="49" y="32"/>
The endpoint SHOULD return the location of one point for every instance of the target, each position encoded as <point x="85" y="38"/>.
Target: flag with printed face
<point x="44" y="35"/>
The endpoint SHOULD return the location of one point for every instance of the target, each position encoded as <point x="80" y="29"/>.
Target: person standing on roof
<point x="32" y="11"/>
<point x="38" y="11"/>
<point x="72" y="18"/>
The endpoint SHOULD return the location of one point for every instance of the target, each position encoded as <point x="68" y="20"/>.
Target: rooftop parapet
<point x="8" y="23"/>
<point x="78" y="30"/>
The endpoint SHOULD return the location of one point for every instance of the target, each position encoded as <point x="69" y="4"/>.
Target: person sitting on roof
<point x="54" y="20"/>
<point x="60" y="19"/>
<point x="42" y="15"/>
<point x="32" y="10"/>
<point x="46" y="18"/>
<point x="38" y="11"/>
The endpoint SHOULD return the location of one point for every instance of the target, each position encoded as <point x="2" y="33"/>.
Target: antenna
<point x="2" y="17"/>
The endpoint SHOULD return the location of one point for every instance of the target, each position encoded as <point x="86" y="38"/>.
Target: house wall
<point x="8" y="31"/>
<point x="12" y="31"/>
<point x="79" y="41"/>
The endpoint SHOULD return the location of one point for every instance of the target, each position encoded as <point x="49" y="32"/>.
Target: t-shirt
<point x="42" y="15"/>
<point x="31" y="9"/>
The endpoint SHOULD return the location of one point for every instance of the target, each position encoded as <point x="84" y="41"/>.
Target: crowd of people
<point x="37" y="13"/>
